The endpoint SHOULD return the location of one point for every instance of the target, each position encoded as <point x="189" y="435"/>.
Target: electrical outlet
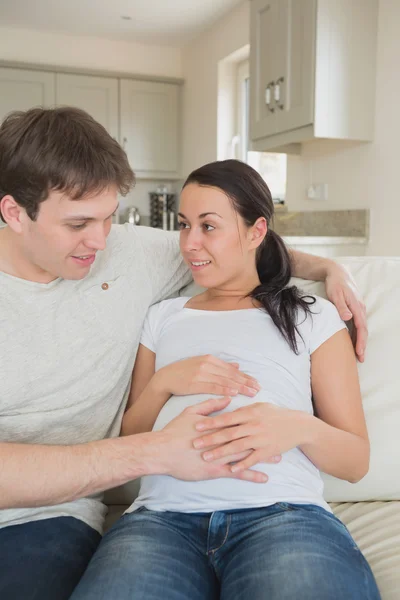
<point x="317" y="191"/>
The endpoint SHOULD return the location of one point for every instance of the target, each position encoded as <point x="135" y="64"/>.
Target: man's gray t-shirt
<point x="68" y="347"/>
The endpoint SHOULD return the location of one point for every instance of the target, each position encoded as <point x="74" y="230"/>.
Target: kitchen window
<point x="271" y="166"/>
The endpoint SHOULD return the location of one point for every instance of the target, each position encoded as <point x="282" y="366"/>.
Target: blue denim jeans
<point x="281" y="552"/>
<point x="44" y="560"/>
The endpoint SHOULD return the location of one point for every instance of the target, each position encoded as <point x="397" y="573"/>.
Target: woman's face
<point x="214" y="240"/>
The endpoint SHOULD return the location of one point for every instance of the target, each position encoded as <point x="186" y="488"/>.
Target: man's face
<point x="65" y="237"/>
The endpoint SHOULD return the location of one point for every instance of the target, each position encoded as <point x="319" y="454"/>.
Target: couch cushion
<point x="378" y="280"/>
<point x="375" y="527"/>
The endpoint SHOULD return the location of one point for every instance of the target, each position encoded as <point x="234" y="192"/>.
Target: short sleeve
<point x="325" y="323"/>
<point x="150" y="328"/>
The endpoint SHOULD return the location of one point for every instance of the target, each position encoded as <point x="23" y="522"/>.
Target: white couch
<point x="370" y="508"/>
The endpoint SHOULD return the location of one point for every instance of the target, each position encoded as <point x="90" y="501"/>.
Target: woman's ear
<point x="257" y="232"/>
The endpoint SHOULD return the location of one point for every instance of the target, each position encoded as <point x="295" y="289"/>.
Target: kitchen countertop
<point x="313" y="240"/>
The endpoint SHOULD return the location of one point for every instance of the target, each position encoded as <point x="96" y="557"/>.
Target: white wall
<point x="31" y="46"/>
<point x="359" y="176"/>
<point x="364" y="176"/>
<point x="200" y="71"/>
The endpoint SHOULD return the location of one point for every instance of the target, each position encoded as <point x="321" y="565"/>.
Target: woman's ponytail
<point x="282" y="303"/>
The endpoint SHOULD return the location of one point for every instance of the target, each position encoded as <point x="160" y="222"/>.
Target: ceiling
<point x="165" y="22"/>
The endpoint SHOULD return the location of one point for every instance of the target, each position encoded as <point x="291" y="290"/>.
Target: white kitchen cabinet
<point x="149" y="113"/>
<point x="96" y="95"/>
<point x="282" y="65"/>
<point x="21" y="89"/>
<point x="312" y="71"/>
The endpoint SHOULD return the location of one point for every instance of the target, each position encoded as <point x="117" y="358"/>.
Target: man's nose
<point x="97" y="239"/>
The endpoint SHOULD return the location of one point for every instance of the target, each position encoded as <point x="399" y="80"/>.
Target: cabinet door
<point x="21" y="89"/>
<point x="264" y="53"/>
<point x="150" y="127"/>
<point x="96" y="95"/>
<point x="295" y="107"/>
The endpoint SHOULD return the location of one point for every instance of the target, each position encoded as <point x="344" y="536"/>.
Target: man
<point x="71" y="313"/>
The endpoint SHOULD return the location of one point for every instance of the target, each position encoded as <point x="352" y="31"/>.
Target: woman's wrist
<point x="308" y="428"/>
<point x="158" y="384"/>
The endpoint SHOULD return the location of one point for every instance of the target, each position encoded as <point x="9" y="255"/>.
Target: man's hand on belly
<point x="176" y="455"/>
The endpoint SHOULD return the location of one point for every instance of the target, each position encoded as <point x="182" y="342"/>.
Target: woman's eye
<point x="208" y="227"/>
<point x="182" y="225"/>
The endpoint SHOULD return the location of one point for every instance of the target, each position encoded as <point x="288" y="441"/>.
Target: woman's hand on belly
<point x="204" y="375"/>
<point x="263" y="429"/>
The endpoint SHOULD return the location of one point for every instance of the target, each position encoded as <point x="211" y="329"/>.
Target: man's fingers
<point x="241" y="445"/>
<point x="210" y="406"/>
<point x="233" y="458"/>
<point x="361" y="343"/>
<point x="342" y="306"/>
<point x="361" y="330"/>
<point x="225" y="420"/>
<point x="222" y="435"/>
<point x="249" y="475"/>
<point x="252" y="460"/>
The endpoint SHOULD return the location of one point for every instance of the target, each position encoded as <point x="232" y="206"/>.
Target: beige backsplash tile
<point x="330" y="223"/>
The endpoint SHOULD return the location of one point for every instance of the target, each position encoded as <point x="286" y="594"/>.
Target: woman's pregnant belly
<point x="294" y="479"/>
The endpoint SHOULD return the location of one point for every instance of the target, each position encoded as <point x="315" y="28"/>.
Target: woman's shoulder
<point x="166" y="308"/>
<point x="321" y="322"/>
<point x="322" y="308"/>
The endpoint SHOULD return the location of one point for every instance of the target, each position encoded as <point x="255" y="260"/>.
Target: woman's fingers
<point x="241" y="383"/>
<point x="230" y="370"/>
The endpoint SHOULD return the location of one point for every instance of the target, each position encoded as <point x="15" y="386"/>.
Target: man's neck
<point x="13" y="263"/>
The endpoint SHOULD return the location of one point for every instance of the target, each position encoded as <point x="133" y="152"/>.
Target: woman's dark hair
<point x="252" y="199"/>
<point x="61" y="149"/>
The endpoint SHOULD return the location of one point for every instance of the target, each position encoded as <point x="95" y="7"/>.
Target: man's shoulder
<point x="129" y="236"/>
<point x="145" y="253"/>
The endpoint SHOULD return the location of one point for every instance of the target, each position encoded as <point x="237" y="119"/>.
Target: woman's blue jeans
<point x="281" y="552"/>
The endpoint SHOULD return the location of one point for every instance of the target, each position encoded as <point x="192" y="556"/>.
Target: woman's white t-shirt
<point x="249" y="338"/>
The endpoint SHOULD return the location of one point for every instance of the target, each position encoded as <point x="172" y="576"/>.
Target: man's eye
<point x="77" y="227"/>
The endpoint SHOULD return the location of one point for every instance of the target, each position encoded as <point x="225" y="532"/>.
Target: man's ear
<point x="13" y="213"/>
<point x="258" y="231"/>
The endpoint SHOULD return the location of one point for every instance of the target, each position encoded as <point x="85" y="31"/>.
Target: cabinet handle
<point x="124" y="143"/>
<point x="277" y="93"/>
<point x="268" y="96"/>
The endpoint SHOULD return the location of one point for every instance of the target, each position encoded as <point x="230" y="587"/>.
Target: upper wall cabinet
<point x="144" y="116"/>
<point x="149" y="113"/>
<point x="22" y="89"/>
<point x="312" y="71"/>
<point x="96" y="95"/>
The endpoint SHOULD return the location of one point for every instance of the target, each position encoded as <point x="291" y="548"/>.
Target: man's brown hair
<point x="62" y="149"/>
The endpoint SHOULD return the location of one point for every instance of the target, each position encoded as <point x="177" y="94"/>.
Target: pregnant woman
<point x="287" y="363"/>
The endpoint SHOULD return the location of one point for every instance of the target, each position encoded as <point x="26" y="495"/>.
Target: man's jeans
<point x="44" y="560"/>
<point x="282" y="552"/>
